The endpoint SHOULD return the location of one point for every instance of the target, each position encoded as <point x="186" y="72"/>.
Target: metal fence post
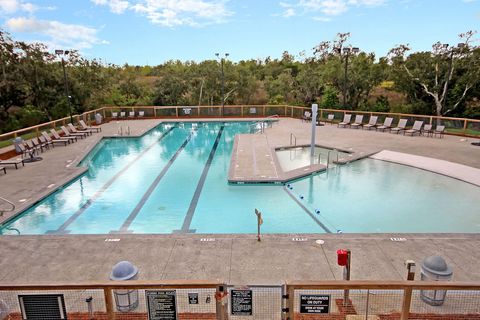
<point x="107" y="293"/>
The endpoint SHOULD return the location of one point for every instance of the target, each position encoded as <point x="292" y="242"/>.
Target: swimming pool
<point x="174" y="180"/>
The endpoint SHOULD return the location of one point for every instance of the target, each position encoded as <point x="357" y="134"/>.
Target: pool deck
<point x="235" y="258"/>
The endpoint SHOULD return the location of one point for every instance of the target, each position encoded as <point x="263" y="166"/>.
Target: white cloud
<point x="331" y="7"/>
<point x="172" y="13"/>
<point x="69" y="36"/>
<point x="289" y="12"/>
<point x="12" y="6"/>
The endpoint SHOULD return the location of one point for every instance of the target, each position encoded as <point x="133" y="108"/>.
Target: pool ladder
<point x="330" y="156"/>
<point x="12" y="208"/>
<point x="293" y="139"/>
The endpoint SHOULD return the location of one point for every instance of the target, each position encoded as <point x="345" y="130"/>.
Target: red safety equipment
<point x="342" y="257"/>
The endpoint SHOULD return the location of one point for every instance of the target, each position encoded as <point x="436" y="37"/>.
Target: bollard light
<point x="435" y="268"/>
<point x="125" y="299"/>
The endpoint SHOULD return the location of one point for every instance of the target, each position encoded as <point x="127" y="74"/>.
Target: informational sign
<point x="241" y="302"/>
<point x="192" y="298"/>
<point x="161" y="305"/>
<point x="314" y="303"/>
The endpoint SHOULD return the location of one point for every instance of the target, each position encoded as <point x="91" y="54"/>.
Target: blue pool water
<point x="174" y="180"/>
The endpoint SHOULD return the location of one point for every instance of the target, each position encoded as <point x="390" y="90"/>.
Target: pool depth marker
<point x="63" y="228"/>
<point x="307" y="211"/>
<point x="141" y="203"/>
<point x="198" y="190"/>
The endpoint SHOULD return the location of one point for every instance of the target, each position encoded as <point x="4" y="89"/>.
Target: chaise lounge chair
<point x="13" y="162"/>
<point x="74" y="130"/>
<point x="402" y="124"/>
<point x="307" y="116"/>
<point x="56" y="136"/>
<point x="358" y="122"/>
<point x="114" y="115"/>
<point x="417" y="127"/>
<point x="387" y="124"/>
<point x="131" y="114"/>
<point x="346" y="121"/>
<point x="427" y="129"/>
<point x="71" y="134"/>
<point x="372" y="123"/>
<point x="122" y="114"/>
<point x="53" y="141"/>
<point x="84" y="126"/>
<point x="141" y="114"/>
<point x="440" y="130"/>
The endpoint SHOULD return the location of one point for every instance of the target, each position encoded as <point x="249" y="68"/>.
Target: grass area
<point x="470" y="132"/>
<point x="9" y="142"/>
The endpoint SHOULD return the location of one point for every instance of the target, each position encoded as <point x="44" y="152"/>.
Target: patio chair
<point x="141" y="114"/>
<point x="38" y="144"/>
<point x="131" y="114"/>
<point x="53" y="141"/>
<point x="372" y="123"/>
<point x="252" y="110"/>
<point x="387" y="124"/>
<point x="358" y="122"/>
<point x="402" y="124"/>
<point x="439" y="130"/>
<point x="307" y="116"/>
<point x="114" y="115"/>
<point x="56" y="136"/>
<point x="84" y="126"/>
<point x="330" y="118"/>
<point x="347" y="118"/>
<point x="32" y="148"/>
<point x="14" y="162"/>
<point x="44" y="141"/>
<point x="427" y="129"/>
<point x="71" y="134"/>
<point x="417" y="127"/>
<point x="122" y="114"/>
<point x="74" y="130"/>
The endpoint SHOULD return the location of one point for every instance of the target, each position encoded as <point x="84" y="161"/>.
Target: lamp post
<point x="61" y="53"/>
<point x="346" y="53"/>
<point x="223" y="80"/>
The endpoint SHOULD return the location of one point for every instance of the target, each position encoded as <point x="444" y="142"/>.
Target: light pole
<point x="61" y="53"/>
<point x="223" y="80"/>
<point x="346" y="53"/>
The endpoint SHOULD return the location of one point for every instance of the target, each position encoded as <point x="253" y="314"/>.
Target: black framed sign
<point x="161" y="304"/>
<point x="241" y="302"/>
<point x="314" y="303"/>
<point x="192" y="298"/>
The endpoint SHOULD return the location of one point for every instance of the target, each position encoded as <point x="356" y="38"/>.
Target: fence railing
<point x="293" y="300"/>
<point x="457" y="126"/>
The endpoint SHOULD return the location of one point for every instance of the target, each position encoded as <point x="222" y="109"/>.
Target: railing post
<point x="176" y="111"/>
<point x="291" y="114"/>
<point x="465" y="126"/>
<point x="291" y="302"/>
<point x="321" y="114"/>
<point x="264" y="114"/>
<point x="103" y="113"/>
<point x="285" y="111"/>
<point x="107" y="293"/>
<point x="221" y="299"/>
<point x="407" y="299"/>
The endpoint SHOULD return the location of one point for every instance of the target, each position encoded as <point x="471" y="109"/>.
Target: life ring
<point x="220" y="295"/>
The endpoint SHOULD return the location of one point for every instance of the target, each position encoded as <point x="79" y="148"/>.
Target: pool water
<point x="174" y="180"/>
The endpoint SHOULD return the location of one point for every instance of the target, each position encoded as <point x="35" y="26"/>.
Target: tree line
<point x="334" y="74"/>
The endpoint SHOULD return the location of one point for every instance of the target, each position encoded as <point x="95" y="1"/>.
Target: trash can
<point x="17" y="141"/>
<point x="98" y="118"/>
<point x="435" y="268"/>
<point x="125" y="299"/>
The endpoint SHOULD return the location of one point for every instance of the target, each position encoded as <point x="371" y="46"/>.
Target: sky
<point x="150" y="32"/>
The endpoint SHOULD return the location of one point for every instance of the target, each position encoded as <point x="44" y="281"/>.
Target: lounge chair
<point x="13" y="162"/>
<point x="32" y="148"/>
<point x="131" y="114"/>
<point x="26" y="150"/>
<point x="74" y="130"/>
<point x="372" y="123"/>
<point x="114" y="115"/>
<point x="56" y="136"/>
<point x="71" y="134"/>
<point x="44" y="141"/>
<point x="141" y="114"/>
<point x="252" y="110"/>
<point x="358" y="121"/>
<point x="346" y="121"/>
<point x="387" y="124"/>
<point x="330" y="118"/>
<point x="427" y="129"/>
<point x="53" y="141"/>
<point x="307" y="116"/>
<point x="84" y="126"/>
<point x="122" y="114"/>
<point x="417" y="127"/>
<point x="402" y="124"/>
<point x="3" y="169"/>
<point x="440" y="130"/>
<point x="37" y="144"/>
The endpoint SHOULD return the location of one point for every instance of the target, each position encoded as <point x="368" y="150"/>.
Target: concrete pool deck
<point x="232" y="258"/>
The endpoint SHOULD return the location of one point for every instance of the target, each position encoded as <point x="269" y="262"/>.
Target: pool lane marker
<point x="143" y="200"/>
<point x="193" y="204"/>
<point x="324" y="227"/>
<point x="63" y="228"/>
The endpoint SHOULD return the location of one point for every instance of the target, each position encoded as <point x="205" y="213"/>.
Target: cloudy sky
<point x="153" y="31"/>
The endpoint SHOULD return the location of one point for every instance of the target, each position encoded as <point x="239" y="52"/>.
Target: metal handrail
<point x="10" y="203"/>
<point x="328" y="156"/>
<point x="294" y="138"/>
